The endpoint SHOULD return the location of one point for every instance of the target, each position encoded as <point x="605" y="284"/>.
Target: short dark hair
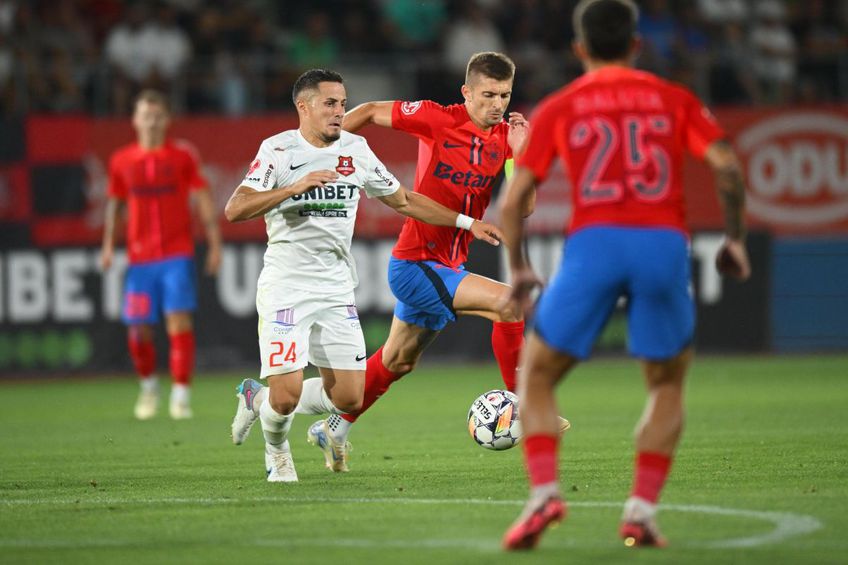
<point x="152" y="96"/>
<point x="310" y="79"/>
<point x="606" y="27"/>
<point x="490" y="64"/>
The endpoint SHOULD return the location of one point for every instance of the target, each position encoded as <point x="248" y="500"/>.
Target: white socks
<point x="543" y="492"/>
<point x="314" y="399"/>
<point x="180" y="393"/>
<point x="275" y="427"/>
<point x="638" y="510"/>
<point x="339" y="428"/>
<point x="149" y="384"/>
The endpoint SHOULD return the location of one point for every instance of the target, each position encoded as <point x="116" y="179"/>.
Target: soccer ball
<point x="493" y="420"/>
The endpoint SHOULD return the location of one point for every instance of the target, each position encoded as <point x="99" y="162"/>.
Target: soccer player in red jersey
<point x="154" y="179"/>
<point x="621" y="134"/>
<point x="462" y="149"/>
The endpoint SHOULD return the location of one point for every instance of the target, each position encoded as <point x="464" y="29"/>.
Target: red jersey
<point x="457" y="166"/>
<point x="621" y="134"/>
<point x="156" y="185"/>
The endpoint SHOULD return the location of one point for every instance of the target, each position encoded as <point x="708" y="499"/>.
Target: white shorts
<point x="298" y="327"/>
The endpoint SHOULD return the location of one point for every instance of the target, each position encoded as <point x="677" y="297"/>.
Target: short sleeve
<point x="196" y="180"/>
<point x="421" y="118"/>
<point x="263" y="170"/>
<point x="117" y="187"/>
<point x="700" y="128"/>
<point x="378" y="180"/>
<point x="541" y="146"/>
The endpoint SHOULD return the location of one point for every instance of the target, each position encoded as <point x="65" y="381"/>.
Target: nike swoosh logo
<point x="292" y="167"/>
<point x="360" y="357"/>
<point x="448" y="145"/>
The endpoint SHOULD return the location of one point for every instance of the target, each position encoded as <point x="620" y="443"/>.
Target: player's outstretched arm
<point x="732" y="259"/>
<point x="114" y="208"/>
<point x="379" y="113"/>
<point x="246" y="203"/>
<point x="518" y="199"/>
<point x="209" y="217"/>
<point x="419" y="207"/>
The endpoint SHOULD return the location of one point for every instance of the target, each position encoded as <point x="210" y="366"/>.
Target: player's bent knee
<point x="510" y="312"/>
<point x="284" y="407"/>
<point x="348" y="405"/>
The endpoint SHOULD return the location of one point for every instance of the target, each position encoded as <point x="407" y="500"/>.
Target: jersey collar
<point x="306" y="144"/>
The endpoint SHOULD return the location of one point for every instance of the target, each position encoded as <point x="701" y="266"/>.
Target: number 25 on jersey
<point x="643" y="139"/>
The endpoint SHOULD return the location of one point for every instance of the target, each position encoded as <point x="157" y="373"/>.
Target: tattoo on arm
<point x="730" y="183"/>
<point x="731" y="192"/>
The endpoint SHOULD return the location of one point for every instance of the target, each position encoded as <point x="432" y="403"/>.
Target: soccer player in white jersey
<point x="307" y="183"/>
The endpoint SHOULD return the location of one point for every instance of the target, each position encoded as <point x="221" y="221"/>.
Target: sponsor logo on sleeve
<point x="379" y="172"/>
<point x="253" y="166"/>
<point x="267" y="176"/>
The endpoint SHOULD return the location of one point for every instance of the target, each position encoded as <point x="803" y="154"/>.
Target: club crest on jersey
<point x="493" y="155"/>
<point x="253" y="166"/>
<point x="409" y="108"/>
<point x="345" y="166"/>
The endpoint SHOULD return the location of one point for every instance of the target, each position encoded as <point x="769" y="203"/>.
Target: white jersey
<point x="309" y="235"/>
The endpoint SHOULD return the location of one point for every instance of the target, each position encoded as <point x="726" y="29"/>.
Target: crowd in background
<point x="242" y="56"/>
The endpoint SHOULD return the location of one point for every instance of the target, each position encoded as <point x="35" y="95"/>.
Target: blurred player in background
<point x="307" y="184"/>
<point x="154" y="179"/>
<point x="462" y="149"/>
<point x="620" y="134"/>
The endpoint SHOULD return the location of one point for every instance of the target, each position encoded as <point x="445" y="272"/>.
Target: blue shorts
<point x="650" y="267"/>
<point x="424" y="291"/>
<point x="151" y="288"/>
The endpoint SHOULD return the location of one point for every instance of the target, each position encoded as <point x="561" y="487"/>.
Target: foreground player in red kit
<point x="154" y="178"/>
<point x="620" y="134"/>
<point x="462" y="149"/>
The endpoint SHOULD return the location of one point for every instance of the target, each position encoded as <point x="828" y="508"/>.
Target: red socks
<point x="650" y="473"/>
<point x="182" y="356"/>
<point x="142" y="353"/>
<point x="540" y="457"/>
<point x="377" y="381"/>
<point x="507" y="340"/>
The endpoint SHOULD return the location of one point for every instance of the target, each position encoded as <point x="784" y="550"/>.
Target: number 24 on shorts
<point x="288" y="354"/>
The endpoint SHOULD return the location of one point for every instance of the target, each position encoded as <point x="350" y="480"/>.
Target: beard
<point x="330" y="137"/>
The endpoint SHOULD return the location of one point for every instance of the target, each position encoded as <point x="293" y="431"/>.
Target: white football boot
<point x="147" y="404"/>
<point x="280" y="467"/>
<point x="335" y="453"/>
<point x="247" y="409"/>
<point x="180" y="406"/>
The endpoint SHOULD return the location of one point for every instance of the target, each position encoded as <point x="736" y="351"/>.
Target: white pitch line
<point x="786" y="524"/>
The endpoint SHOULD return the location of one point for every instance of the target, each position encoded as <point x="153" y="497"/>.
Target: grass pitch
<point x="761" y="476"/>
